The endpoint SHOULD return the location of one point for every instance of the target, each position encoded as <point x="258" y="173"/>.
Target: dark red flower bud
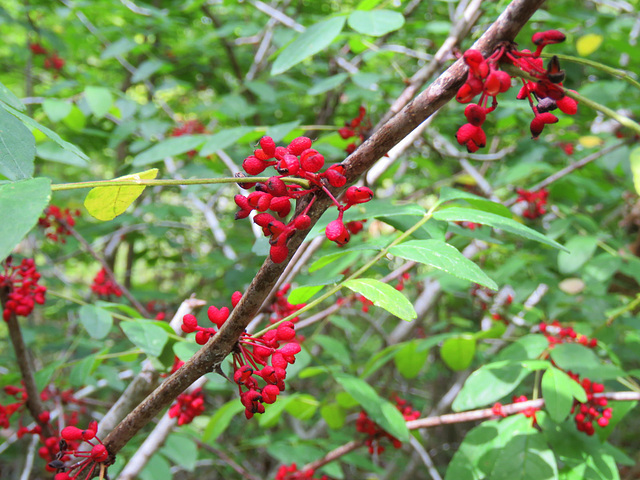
<point x="268" y="146"/>
<point x="278" y="253"/>
<point x="337" y="232"/>
<point x="475" y="114"/>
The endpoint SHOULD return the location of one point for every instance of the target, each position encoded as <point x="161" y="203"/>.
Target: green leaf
<point x="526" y="456"/>
<point x="634" y="160"/>
<point x="168" y="148"/>
<point x="55" y="153"/>
<point x="378" y="409"/>
<point x="221" y="419"/>
<point x="557" y="392"/>
<point x="278" y="132"/>
<point x="528" y="347"/>
<point x="117" y="48"/>
<point x="222" y="139"/>
<point x="489" y="384"/>
<point x="99" y="100"/>
<point x="457" y="214"/>
<point x="157" y="467"/>
<point x="49" y="133"/>
<point x="458" y="352"/>
<point x="583" y="361"/>
<point x="443" y="257"/>
<point x="303" y="407"/>
<point x="376" y="22"/>
<point x="384" y="296"/>
<point x="580" y="250"/>
<point x="56" y="109"/>
<point x="328" y="83"/>
<point x="181" y="450"/>
<point x="8" y="97"/>
<point x="334" y="415"/>
<point x="334" y="348"/>
<point x="313" y="40"/>
<point x="303" y="294"/>
<point x="273" y="412"/>
<point x="106" y="203"/>
<point x="21" y="203"/>
<point x="146" y="69"/>
<point x="185" y="350"/>
<point x="146" y="335"/>
<point x="17" y="148"/>
<point x="409" y="360"/>
<point x="75" y="120"/>
<point x="96" y="321"/>
<point x="81" y="370"/>
<point x="477" y="454"/>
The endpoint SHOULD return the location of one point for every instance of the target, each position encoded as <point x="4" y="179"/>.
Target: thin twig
<point x="90" y="250"/>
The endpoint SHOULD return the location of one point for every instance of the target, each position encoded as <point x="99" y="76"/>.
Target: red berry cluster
<point x="292" y="473"/>
<point x="51" y="61"/>
<point x="189" y="127"/>
<point x="56" y="221"/>
<point x="188" y="406"/>
<point x="297" y="159"/>
<point x="536" y="202"/>
<point x="97" y="455"/>
<point x="544" y="95"/>
<point x="104" y="286"/>
<point x="355" y="129"/>
<point x="557" y="334"/>
<point x="253" y="357"/>
<point x="365" y="425"/>
<point x="593" y="409"/>
<point x="21" y="282"/>
<point x="281" y="307"/>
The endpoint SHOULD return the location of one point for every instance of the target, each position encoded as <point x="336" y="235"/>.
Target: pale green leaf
<point x="376" y="22"/>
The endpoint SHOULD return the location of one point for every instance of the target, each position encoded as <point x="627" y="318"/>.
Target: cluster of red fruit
<point x="50" y="448"/>
<point x="188" y="406"/>
<point x="355" y="129"/>
<point x="593" y="409"/>
<point x="104" y="286"/>
<point x="157" y="309"/>
<point x="556" y="334"/>
<point x="536" y="202"/>
<point x="292" y="473"/>
<point x="281" y="307"/>
<point x="544" y="95"/>
<point x="50" y="61"/>
<point x="56" y="221"/>
<point x="98" y="454"/>
<point x="21" y="282"/>
<point x="297" y="159"/>
<point x="375" y="433"/>
<point x="190" y="127"/>
<point x="254" y="358"/>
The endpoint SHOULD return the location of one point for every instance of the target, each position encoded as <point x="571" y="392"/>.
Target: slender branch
<point x="214" y="352"/>
<point x="146" y="380"/>
<point x="616" y="72"/>
<point x="89" y="249"/>
<point x="227" y="459"/>
<point x="463" y="417"/>
<point x="170" y="182"/>
<point x="571" y="168"/>
<point x="34" y="404"/>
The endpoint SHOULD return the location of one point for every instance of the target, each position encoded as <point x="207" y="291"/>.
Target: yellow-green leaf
<point x="106" y="203"/>
<point x="634" y="158"/>
<point x="589" y="43"/>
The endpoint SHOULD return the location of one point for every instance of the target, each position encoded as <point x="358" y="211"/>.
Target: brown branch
<point x="89" y="249"/>
<point x="217" y="349"/>
<point x="34" y="404"/>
